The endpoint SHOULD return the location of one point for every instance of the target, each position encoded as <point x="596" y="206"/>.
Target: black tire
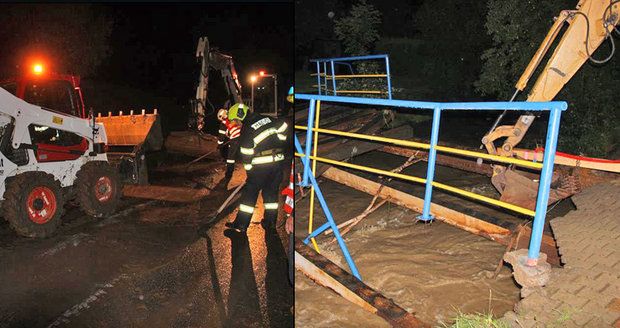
<point x="33" y="204"/>
<point x="98" y="188"/>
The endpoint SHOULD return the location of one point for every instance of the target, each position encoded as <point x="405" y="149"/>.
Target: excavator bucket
<point x="130" y="137"/>
<point x="519" y="189"/>
<point x="143" y="130"/>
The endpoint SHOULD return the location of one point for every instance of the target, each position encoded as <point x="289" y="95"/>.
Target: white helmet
<point x="222" y="114"/>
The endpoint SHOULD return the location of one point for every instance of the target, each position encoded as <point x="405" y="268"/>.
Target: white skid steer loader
<point x="46" y="158"/>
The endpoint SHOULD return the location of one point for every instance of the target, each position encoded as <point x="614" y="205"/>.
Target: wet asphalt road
<point x="147" y="266"/>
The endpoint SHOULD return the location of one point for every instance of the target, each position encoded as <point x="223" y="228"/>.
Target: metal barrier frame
<point x="312" y="130"/>
<point x="344" y="61"/>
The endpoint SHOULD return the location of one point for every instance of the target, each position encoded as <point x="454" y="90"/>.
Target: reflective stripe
<point x="247" y="167"/>
<point x="267" y="159"/>
<point x="282" y="128"/>
<point x="222" y="131"/>
<point x="271" y="206"/>
<point x="282" y="137"/>
<point x="246" y="208"/>
<point x="263" y="135"/>
<point x="230" y="161"/>
<point x="247" y="151"/>
<point x="234" y="132"/>
<point x="219" y="142"/>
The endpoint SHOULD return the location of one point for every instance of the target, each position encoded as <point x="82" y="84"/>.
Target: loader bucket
<point x="133" y="129"/>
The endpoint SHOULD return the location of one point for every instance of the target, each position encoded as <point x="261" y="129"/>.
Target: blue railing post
<point x="330" y="219"/>
<point x="325" y="76"/>
<point x="430" y="170"/>
<point x="333" y="77"/>
<point x="318" y="76"/>
<point x="308" y="141"/>
<point x="389" y="80"/>
<point x="544" y="186"/>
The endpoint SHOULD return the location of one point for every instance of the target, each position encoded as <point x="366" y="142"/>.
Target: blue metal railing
<point x="554" y="107"/>
<point x="346" y="61"/>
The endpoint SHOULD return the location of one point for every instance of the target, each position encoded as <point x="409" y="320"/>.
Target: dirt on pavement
<point x="147" y="265"/>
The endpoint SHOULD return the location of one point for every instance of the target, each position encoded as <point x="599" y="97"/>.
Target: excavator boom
<point x="211" y="58"/>
<point x="590" y="24"/>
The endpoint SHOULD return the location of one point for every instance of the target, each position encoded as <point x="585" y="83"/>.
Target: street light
<point x="252" y="80"/>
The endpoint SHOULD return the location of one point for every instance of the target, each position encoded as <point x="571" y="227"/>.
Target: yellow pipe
<point x="314" y="153"/>
<point x="367" y="137"/>
<point x="468" y="153"/>
<point x="485" y="199"/>
<point x="362" y="91"/>
<point x="352" y="76"/>
<point x="496" y="158"/>
<point x="439" y="185"/>
<point x="352" y="91"/>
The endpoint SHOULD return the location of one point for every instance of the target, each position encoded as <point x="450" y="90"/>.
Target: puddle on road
<point x="430" y="270"/>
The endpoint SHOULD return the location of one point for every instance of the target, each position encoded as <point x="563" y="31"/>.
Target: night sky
<point x="153" y="46"/>
<point x="133" y="56"/>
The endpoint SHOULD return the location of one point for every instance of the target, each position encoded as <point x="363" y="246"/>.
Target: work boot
<point x="230" y="168"/>
<point x="233" y="225"/>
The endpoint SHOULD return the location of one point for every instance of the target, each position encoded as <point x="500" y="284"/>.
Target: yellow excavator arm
<point x="589" y="26"/>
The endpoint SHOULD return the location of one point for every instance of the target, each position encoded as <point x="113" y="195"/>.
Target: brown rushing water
<point x="432" y="270"/>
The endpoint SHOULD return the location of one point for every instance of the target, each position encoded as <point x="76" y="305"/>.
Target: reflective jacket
<point x="226" y="131"/>
<point x="233" y="132"/>
<point x="262" y="141"/>
<point x="289" y="192"/>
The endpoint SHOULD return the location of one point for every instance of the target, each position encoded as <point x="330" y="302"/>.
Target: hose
<point x="611" y="39"/>
<point x="499" y="118"/>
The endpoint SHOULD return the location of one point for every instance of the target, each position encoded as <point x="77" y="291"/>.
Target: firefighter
<point x="229" y="130"/>
<point x="262" y="144"/>
<point x="222" y="132"/>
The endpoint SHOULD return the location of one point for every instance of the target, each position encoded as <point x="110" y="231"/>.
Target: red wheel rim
<point x="103" y="189"/>
<point x="41" y="205"/>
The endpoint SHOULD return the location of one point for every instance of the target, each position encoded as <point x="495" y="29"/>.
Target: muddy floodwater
<point x="432" y="270"/>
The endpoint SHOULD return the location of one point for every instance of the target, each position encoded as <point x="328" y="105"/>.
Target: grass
<point x="478" y="320"/>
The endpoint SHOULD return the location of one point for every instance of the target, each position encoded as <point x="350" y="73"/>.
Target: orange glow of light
<point x="261" y="73"/>
<point x="253" y="78"/>
<point x="37" y="69"/>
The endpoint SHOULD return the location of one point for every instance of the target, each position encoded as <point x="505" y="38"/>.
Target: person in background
<point x="228" y="141"/>
<point x="222" y="132"/>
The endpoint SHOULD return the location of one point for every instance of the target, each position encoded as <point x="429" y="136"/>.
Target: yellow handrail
<point x="439" y="185"/>
<point x="374" y="92"/>
<point x="407" y="143"/>
<point x="350" y="76"/>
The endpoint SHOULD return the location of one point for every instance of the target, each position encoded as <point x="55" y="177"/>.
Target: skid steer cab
<point x="129" y="137"/>
<point x="46" y="158"/>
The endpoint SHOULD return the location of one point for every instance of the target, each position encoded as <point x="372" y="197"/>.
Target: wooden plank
<point x="348" y="124"/>
<point x="452" y="217"/>
<point x="460" y="220"/>
<point x="466" y="164"/>
<point x="328" y="274"/>
<point x="192" y="144"/>
<point x="344" y="151"/>
<point x="165" y="193"/>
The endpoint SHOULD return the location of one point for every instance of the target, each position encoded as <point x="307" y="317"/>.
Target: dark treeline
<point x="473" y="50"/>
